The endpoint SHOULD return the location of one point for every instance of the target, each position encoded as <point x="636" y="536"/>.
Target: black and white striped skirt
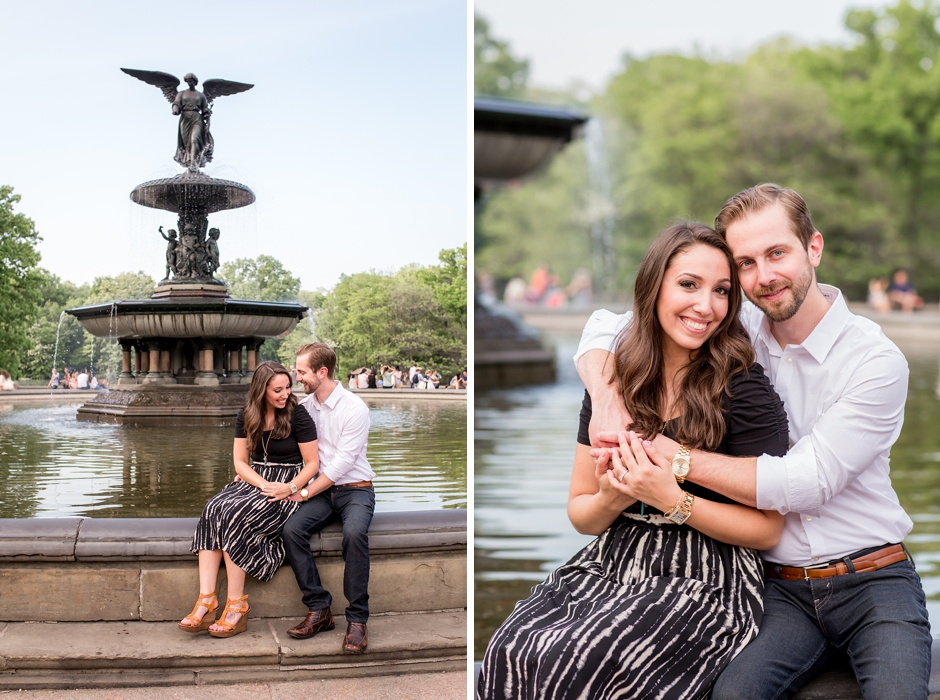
<point x="240" y="521"/>
<point x="647" y="610"/>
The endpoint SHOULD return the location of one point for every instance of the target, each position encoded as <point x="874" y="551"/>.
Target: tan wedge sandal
<point x="239" y="605"/>
<point x="207" y="600"/>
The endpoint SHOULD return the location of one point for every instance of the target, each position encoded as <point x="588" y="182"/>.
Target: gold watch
<point x="293" y="487"/>
<point x="682" y="510"/>
<point x="304" y="494"/>
<point x="681" y="463"/>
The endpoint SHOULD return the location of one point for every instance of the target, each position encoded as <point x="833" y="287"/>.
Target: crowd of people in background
<point x="75" y="379"/>
<point x="543" y="289"/>
<point x="897" y="295"/>
<point x="394" y="377"/>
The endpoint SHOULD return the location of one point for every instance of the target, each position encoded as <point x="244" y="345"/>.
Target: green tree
<point x="263" y="279"/>
<point x="448" y="281"/>
<point x="21" y="282"/>
<point x="414" y="315"/>
<point x="885" y="91"/>
<point x="54" y="336"/>
<point x="495" y="70"/>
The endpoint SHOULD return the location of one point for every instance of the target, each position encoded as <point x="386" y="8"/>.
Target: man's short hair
<point x="319" y="355"/>
<point x="755" y="199"/>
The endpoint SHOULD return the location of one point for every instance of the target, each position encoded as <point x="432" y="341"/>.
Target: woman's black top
<point x="285" y="450"/>
<point x="755" y="424"/>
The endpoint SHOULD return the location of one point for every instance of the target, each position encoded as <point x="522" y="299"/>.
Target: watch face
<point x="680" y="466"/>
<point x="303" y="492"/>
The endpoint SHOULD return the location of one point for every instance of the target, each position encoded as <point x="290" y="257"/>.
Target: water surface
<point x="52" y="465"/>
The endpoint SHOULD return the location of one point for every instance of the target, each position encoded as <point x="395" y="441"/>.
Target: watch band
<point x="682" y="462"/>
<point x="682" y="510"/>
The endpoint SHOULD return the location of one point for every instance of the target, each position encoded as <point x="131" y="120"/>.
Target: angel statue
<point x="194" y="143"/>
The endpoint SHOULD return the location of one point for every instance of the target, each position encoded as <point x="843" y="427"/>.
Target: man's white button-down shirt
<point x="844" y="389"/>
<point x="342" y="435"/>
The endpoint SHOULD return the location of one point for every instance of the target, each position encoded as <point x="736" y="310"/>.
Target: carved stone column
<point x="166" y="377"/>
<point x="251" y="360"/>
<point x="153" y="370"/>
<point x="143" y="361"/>
<point x="206" y="375"/>
<point x="127" y="375"/>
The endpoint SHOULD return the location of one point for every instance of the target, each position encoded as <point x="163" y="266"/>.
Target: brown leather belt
<point x="872" y="561"/>
<point x="357" y="484"/>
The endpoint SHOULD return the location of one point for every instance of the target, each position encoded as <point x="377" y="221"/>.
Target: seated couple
<point x="298" y="469"/>
<point x="691" y="475"/>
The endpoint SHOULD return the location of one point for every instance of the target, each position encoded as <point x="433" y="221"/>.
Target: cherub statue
<point x="170" y="251"/>
<point x="186" y="259"/>
<point x="212" y="251"/>
<point x="194" y="143"/>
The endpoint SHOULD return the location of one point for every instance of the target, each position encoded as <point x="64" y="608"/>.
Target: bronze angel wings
<point x="168" y="84"/>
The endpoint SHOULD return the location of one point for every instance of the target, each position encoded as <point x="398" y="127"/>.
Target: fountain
<point x="513" y="141"/>
<point x="190" y="350"/>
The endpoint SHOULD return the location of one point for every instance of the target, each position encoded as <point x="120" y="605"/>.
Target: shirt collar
<point x="331" y="400"/>
<point x="821" y="339"/>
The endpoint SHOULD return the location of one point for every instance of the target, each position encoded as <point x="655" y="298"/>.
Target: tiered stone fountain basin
<point x="189" y="352"/>
<point x="185" y="360"/>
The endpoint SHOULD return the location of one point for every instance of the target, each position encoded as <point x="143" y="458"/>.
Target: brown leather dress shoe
<point x="316" y="621"/>
<point x="356" y="639"/>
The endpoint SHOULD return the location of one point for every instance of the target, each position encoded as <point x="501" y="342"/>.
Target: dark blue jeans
<point x="354" y="506"/>
<point x="878" y="618"/>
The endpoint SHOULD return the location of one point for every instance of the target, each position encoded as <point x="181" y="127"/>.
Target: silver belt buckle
<point x="824" y="565"/>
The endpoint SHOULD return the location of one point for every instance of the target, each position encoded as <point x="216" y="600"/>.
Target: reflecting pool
<point x="54" y="466"/>
<point x="524" y="441"/>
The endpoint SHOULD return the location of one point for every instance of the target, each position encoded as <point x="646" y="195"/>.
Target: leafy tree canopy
<point x="21" y="281"/>
<point x="854" y="128"/>
<point x="261" y="279"/>
<point x="495" y="70"/>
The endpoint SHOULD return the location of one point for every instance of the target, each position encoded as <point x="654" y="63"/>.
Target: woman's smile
<point x="693" y="325"/>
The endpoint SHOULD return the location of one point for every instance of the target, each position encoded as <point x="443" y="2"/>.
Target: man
<point x="839" y="577"/>
<point x="342" y="489"/>
<point x="83" y="379"/>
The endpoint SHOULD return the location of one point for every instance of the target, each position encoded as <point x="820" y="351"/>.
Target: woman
<point x="275" y="455"/>
<point x="654" y="607"/>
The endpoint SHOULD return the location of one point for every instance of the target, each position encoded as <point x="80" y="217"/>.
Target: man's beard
<point x="784" y="311"/>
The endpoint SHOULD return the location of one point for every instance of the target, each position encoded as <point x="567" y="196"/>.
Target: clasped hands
<point x="635" y="468"/>
<point x="276" y="491"/>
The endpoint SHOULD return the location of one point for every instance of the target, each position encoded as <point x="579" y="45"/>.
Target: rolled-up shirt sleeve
<point x="848" y="436"/>
<point x="351" y="443"/>
<point x="601" y="331"/>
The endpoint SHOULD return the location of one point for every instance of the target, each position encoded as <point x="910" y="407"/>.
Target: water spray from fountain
<point x="310" y="322"/>
<point x="601" y="208"/>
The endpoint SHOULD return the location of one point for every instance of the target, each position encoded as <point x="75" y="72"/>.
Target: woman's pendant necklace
<point x="265" y="446"/>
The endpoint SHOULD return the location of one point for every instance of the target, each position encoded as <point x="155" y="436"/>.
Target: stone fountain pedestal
<point x="190" y="351"/>
<point x="185" y="359"/>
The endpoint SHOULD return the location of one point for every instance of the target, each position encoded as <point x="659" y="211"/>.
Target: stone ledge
<point x="89" y="655"/>
<point x="169" y="539"/>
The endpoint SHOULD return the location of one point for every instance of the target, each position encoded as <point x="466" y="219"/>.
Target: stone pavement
<point x="67" y="655"/>
<point x="446" y="685"/>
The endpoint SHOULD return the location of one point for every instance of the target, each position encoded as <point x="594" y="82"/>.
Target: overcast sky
<point x="584" y="41"/>
<point x="354" y="138"/>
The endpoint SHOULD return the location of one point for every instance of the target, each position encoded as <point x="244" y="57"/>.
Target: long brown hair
<point x="255" y="407"/>
<point x="638" y="359"/>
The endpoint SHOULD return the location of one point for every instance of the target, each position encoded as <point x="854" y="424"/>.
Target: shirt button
<point x="809" y="517"/>
<point x="789" y="360"/>
<point x="815" y="558"/>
